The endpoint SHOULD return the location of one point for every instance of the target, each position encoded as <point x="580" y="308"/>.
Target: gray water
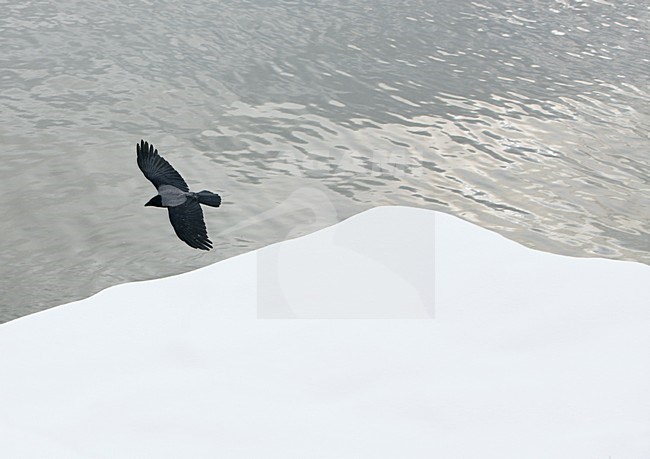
<point x="530" y="118"/>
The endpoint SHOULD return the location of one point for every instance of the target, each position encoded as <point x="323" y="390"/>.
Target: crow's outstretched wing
<point x="156" y="169"/>
<point x="187" y="220"/>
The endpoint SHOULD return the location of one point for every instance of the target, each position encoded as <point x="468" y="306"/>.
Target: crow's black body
<point x="184" y="206"/>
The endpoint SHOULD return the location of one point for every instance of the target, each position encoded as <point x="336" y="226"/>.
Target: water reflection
<point x="527" y="118"/>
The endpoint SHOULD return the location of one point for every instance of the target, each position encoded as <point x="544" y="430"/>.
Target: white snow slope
<point x="517" y="354"/>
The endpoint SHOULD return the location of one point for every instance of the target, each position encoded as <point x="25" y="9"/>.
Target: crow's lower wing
<point x="156" y="169"/>
<point x="187" y="220"/>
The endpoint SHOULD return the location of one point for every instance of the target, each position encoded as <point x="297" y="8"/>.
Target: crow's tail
<point x="209" y="198"/>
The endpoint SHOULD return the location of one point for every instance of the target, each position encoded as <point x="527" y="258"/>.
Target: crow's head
<point x="156" y="201"/>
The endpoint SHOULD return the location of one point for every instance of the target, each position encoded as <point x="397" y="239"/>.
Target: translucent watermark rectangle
<point x="367" y="267"/>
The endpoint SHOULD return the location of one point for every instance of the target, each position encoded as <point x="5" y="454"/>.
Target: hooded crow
<point x="184" y="207"/>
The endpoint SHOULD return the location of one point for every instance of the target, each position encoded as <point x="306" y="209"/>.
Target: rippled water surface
<point x="527" y="117"/>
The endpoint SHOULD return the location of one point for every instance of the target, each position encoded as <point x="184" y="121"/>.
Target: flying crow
<point x="183" y="205"/>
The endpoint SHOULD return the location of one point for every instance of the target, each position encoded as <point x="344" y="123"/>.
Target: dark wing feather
<point x="187" y="220"/>
<point x="156" y="169"/>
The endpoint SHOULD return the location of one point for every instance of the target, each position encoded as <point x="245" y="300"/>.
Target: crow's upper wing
<point x="156" y="169"/>
<point x="187" y="220"/>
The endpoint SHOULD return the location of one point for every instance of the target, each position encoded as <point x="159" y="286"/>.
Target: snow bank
<point x="527" y="354"/>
